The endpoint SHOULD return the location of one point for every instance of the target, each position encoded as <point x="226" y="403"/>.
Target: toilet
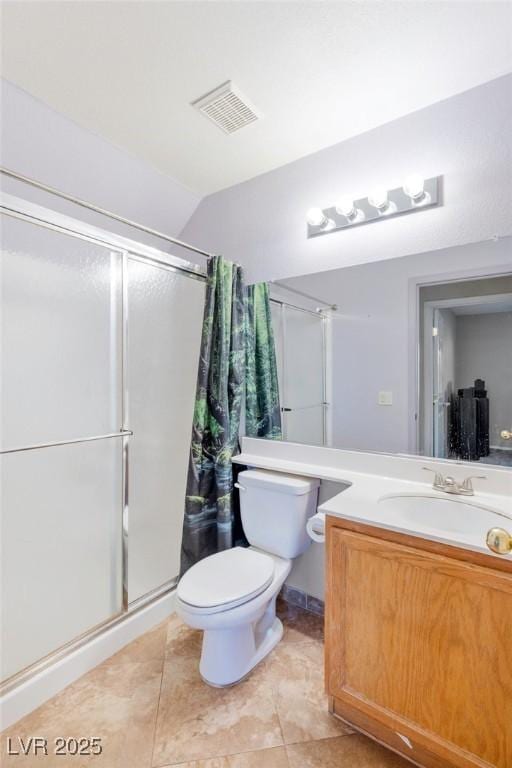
<point x="231" y="595"/>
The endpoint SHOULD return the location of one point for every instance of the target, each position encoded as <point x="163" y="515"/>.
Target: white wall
<point x="370" y="337"/>
<point x="261" y="223"/>
<point x="484" y="350"/>
<point x="38" y="142"/>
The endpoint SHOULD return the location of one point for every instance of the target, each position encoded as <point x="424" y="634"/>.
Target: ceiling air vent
<point x="227" y="108"/>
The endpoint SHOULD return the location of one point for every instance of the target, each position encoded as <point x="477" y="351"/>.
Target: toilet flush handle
<point x="240" y="487"/>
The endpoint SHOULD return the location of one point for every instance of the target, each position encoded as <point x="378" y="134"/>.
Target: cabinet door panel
<point x="423" y="641"/>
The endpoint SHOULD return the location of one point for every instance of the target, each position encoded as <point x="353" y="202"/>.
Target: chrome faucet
<point x="450" y="485"/>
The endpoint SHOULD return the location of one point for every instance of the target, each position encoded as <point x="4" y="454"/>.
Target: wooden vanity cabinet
<point x="419" y="646"/>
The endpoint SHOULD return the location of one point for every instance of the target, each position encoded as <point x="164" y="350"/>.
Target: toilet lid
<point x="226" y="579"/>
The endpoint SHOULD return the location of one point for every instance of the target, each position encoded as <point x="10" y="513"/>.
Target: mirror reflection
<point x="409" y="355"/>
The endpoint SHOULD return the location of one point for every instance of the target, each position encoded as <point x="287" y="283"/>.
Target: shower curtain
<point x="209" y="518"/>
<point x="262" y="409"/>
<point x="237" y="349"/>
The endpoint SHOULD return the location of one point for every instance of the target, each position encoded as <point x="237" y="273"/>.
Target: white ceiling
<point x="320" y="72"/>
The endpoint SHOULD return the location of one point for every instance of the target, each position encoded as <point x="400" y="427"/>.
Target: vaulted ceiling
<point x="320" y="72"/>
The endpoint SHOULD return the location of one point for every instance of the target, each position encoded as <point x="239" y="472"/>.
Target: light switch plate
<point x="385" y="398"/>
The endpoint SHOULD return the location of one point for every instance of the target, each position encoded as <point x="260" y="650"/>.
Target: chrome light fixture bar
<point x="416" y="194"/>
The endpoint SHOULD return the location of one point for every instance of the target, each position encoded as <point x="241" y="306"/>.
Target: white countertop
<point x="362" y="501"/>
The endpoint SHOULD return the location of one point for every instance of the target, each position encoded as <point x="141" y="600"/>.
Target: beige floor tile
<point x="296" y="673"/>
<point x="343" y="752"/>
<point x="117" y="703"/>
<point x="196" y="721"/>
<point x="263" y="758"/>
<point x="148" y="647"/>
<point x="182" y="640"/>
<point x="299" y="625"/>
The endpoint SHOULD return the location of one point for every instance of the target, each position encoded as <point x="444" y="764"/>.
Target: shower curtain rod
<point x="325" y="305"/>
<point x="103" y="211"/>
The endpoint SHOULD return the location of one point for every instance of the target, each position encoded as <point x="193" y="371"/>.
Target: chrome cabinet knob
<point x="506" y="434"/>
<point x="499" y="541"/>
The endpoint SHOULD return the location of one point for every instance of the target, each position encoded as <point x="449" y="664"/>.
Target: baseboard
<point x="31" y="693"/>
<point x="297" y="597"/>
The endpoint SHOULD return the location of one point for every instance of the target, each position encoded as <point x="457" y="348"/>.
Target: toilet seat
<point x="225" y="580"/>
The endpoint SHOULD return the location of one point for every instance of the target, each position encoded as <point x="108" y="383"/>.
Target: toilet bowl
<point x="231" y="595"/>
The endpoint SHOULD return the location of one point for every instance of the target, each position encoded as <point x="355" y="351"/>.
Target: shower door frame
<point x="126" y="248"/>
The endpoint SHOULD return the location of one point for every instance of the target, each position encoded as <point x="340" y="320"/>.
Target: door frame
<point x="416" y="442"/>
<point x="429" y="308"/>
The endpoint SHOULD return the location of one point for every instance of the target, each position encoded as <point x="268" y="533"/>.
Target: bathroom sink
<point x="443" y="515"/>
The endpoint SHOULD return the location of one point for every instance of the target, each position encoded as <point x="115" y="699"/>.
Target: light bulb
<point x="378" y="197"/>
<point x="316" y="217"/>
<point x="414" y="186"/>
<point x="345" y="206"/>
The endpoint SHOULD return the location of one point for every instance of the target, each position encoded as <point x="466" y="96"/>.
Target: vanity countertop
<point x="362" y="502"/>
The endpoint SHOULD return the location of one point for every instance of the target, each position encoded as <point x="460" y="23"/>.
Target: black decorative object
<point x="469" y="423"/>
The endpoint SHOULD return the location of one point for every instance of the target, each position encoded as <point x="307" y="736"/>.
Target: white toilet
<point x="232" y="595"/>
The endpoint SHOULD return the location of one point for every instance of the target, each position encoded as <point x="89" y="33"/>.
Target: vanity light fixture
<point x="378" y="197"/>
<point x="345" y="206"/>
<point x="416" y="194"/>
<point x="414" y="187"/>
<point x="316" y="217"/>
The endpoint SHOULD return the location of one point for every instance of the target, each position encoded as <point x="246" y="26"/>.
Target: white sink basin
<point x="444" y="515"/>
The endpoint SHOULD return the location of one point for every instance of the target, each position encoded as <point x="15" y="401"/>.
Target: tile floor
<point x="152" y="710"/>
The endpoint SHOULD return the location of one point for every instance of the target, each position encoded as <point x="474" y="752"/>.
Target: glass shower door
<point x="61" y="462"/>
<point x="94" y="340"/>
<point x="165" y="312"/>
<point x="302" y="356"/>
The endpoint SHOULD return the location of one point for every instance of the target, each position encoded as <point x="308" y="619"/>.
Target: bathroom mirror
<point x="409" y="355"/>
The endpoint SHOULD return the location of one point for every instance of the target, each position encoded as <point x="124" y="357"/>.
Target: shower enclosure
<point x="300" y="339"/>
<point x="100" y="340"/>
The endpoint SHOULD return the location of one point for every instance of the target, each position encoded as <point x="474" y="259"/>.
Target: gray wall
<point x="371" y="337"/>
<point x="43" y="144"/>
<point x="484" y="350"/>
<point x="261" y="223"/>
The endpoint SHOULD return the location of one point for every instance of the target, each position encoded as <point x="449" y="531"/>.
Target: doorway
<point x="466" y="361"/>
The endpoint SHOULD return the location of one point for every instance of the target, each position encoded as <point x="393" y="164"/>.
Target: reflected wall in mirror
<point x="416" y="357"/>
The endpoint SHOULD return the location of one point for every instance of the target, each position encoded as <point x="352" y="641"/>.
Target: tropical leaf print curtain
<point x="208" y="522"/>
<point x="262" y="410"/>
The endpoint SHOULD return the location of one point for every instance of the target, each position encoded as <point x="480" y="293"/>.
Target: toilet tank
<point x="275" y="508"/>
